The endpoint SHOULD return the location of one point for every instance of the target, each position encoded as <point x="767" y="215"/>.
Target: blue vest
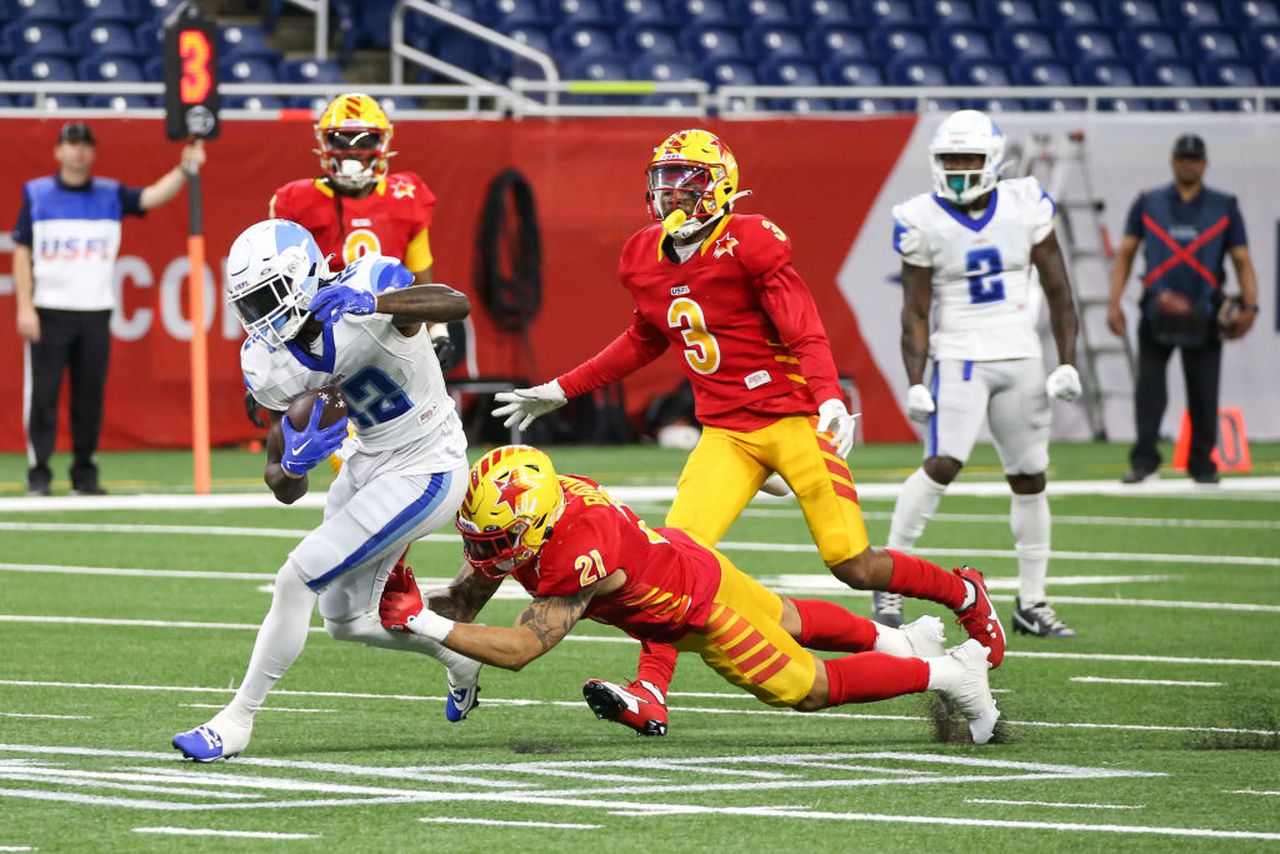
<point x="75" y="240"/>
<point x="1170" y="227"/>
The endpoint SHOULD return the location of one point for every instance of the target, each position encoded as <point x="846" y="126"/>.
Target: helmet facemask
<point x="271" y="285"/>
<point x="354" y="158"/>
<point x="682" y="196"/>
<point x="966" y="132"/>
<point x="963" y="185"/>
<point x="497" y="553"/>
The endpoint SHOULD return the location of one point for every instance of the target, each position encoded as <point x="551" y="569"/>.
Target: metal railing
<point x="319" y="8"/>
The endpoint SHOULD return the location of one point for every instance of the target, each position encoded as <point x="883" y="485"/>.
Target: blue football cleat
<point x="460" y="701"/>
<point x="201" y="744"/>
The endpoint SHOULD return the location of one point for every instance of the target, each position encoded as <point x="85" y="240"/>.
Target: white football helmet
<point x="273" y="270"/>
<point x="966" y="132"/>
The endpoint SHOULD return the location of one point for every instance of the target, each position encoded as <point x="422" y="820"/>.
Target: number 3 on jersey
<point x="703" y="351"/>
<point x="983" y="267"/>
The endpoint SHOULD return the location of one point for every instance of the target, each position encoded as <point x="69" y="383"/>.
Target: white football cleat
<point x="962" y="677"/>
<point x="927" y="636"/>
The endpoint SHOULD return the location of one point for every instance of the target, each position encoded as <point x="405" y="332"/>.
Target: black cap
<point x="76" y="132"/>
<point x="1189" y="145"/>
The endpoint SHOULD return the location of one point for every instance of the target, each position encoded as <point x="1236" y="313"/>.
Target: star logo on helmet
<point x="724" y="246"/>
<point x="509" y="491"/>
<point x="402" y="190"/>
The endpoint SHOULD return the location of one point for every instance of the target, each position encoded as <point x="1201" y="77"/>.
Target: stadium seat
<point x="1183" y="105"/>
<point x="1149" y="44"/>
<point x="580" y="12"/>
<point x="1262" y="45"/>
<point x="1124" y="105"/>
<point x="1023" y="44"/>
<point x="157" y="9"/>
<point x="1271" y="73"/>
<point x="768" y="41"/>
<point x="596" y="68"/>
<point x="310" y="71"/>
<point x="93" y="36"/>
<point x="501" y="64"/>
<point x="788" y="72"/>
<point x="996" y="105"/>
<point x="1070" y="13"/>
<point x="1090" y="72"/>
<point x="110" y="69"/>
<point x="149" y="37"/>
<point x="468" y="54"/>
<point x="643" y="39"/>
<point x="1207" y="44"/>
<point x="706" y="43"/>
<point x="1229" y="74"/>
<point x="951" y="45"/>
<point x="1042" y="73"/>
<point x="37" y="67"/>
<point x="893" y="42"/>
<point x="1167" y="73"/>
<point x="636" y="12"/>
<point x="51" y="11"/>
<point x="664" y="69"/>
<point x="52" y="103"/>
<point x="1091" y="43"/>
<point x="120" y="103"/>
<point x="851" y="72"/>
<point x="915" y="72"/>
<point x="1009" y="13"/>
<point x="728" y="73"/>
<point x="942" y="105"/>
<point x="107" y="11"/>
<point x="1132" y="13"/>
<point x="874" y="106"/>
<point x="799" y="106"/>
<point x="255" y="103"/>
<point x="250" y="69"/>
<point x="36" y="38"/>
<point x="1056" y="105"/>
<point x="823" y="12"/>
<point x="419" y="28"/>
<point x="949" y="13"/>
<point x="236" y="42"/>
<point x="979" y="72"/>
<point x="1253" y="13"/>
<point x="874" y="13"/>
<point x="1192" y="13"/>
<point x="572" y="41"/>
<point x="504" y="14"/>
<point x="749" y="12"/>
<point x="712" y="13"/>
<point x="669" y="101"/>
<point x="314" y="103"/>
<point x="836" y="41"/>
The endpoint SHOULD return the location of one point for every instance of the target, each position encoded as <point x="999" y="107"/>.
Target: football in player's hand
<point x="299" y="413"/>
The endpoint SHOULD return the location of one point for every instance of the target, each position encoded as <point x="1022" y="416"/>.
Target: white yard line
<point x="1013" y="803"/>
<point x="263" y="709"/>
<point x="493" y="822"/>
<point x="234" y="834"/>
<point x="87" y="779"/>
<point x="1102" y="680"/>
<point x="46" y="717"/>
<point x="17" y="848"/>
<point x="1253" y="792"/>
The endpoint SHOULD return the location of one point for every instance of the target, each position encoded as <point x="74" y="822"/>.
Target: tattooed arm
<point x="540" y="626"/>
<point x="463" y="599"/>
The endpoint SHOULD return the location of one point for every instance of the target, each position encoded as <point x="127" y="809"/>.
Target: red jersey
<point x="671" y="580"/>
<point x="391" y="220"/>
<point x="753" y="345"/>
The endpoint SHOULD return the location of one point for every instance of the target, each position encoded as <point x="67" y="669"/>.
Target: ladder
<point x="1108" y="364"/>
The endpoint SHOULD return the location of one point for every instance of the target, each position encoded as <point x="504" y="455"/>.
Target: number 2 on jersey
<point x="374" y="398"/>
<point x="983" y="267"/>
<point x="702" y="351"/>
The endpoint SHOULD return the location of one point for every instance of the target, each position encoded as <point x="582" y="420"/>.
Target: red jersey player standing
<point x="581" y="554"/>
<point x="720" y="286"/>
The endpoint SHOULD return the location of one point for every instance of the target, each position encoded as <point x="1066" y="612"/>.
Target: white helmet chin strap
<point x="678" y="224"/>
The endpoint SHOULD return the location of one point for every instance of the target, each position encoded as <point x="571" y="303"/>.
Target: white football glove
<point x="835" y="419"/>
<point x="524" y="405"/>
<point x="1063" y="383"/>
<point x="920" y="403"/>
<point x="429" y="624"/>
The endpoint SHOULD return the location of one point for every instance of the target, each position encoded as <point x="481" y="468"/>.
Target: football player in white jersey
<point x="968" y="250"/>
<point x="363" y="331"/>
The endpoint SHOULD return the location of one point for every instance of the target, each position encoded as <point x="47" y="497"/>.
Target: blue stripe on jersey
<point x="389" y="275"/>
<point x="964" y="219"/>
<point x="968" y="370"/>
<point x="403" y="522"/>
<point x="49" y="201"/>
<point x="932" y="446"/>
<point x="328" y="353"/>
<point x="1044" y="194"/>
<point x="898" y="231"/>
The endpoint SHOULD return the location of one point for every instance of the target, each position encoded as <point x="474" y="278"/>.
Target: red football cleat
<point x="401" y="598"/>
<point x="980" y="619"/>
<point x="639" y="705"/>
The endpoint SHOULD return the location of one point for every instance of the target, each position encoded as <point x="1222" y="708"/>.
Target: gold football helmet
<point x="513" y="498"/>
<point x="354" y="135"/>
<point x="693" y="179"/>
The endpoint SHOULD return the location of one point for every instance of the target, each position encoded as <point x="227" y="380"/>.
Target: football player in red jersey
<point x="721" y="287"/>
<point x="581" y="554"/>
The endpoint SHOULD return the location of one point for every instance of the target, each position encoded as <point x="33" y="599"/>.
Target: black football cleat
<point x="1039" y="620"/>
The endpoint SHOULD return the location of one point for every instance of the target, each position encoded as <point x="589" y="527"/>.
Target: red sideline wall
<point x="817" y="179"/>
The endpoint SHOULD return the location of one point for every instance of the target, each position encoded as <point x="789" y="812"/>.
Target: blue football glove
<point x="333" y="301"/>
<point x="304" y="448"/>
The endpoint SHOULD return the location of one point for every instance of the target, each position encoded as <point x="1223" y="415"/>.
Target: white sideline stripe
<point x="1103" y="680"/>
<point x="17" y="848"/>
<point x="1253" y="792"/>
<point x="1012" y="803"/>
<point x="46" y="717"/>
<point x="238" y="834"/>
<point x="88" y="779"/>
<point x="263" y="709"/>
<point x="493" y="822"/>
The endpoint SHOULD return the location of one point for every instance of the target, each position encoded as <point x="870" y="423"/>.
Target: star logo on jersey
<point x="510" y="490"/>
<point x="402" y="190"/>
<point x="724" y="246"/>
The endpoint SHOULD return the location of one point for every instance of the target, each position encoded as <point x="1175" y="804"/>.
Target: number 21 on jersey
<point x="701" y="351"/>
<point x="983" y="266"/>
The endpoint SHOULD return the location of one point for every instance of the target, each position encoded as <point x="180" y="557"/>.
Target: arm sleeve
<point x="131" y="201"/>
<point x="636" y="347"/>
<point x="1235" y="227"/>
<point x="786" y="299"/>
<point x="22" y="229"/>
<point x="909" y="239"/>
<point x="1133" y="223"/>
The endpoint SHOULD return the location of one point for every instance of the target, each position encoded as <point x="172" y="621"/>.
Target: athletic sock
<point x="917" y="500"/>
<point x="825" y="625"/>
<point x="1029" y="519"/>
<point x="870" y="676"/>
<point x="657" y="664"/>
<point x="920" y="579"/>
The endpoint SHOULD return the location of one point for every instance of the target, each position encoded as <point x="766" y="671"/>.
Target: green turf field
<point x="1156" y="729"/>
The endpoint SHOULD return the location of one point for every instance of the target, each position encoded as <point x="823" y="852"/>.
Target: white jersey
<point x="982" y="271"/>
<point x="395" y="393"/>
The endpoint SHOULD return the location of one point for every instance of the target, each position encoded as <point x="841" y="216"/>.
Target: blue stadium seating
<point x="769" y="41"/>
<point x="705" y="12"/>
<point x="788" y="72"/>
<point x="1042" y="73"/>
<point x="249" y="69"/>
<point x="1104" y="73"/>
<point x="1262" y="45"/>
<point x="1216" y="43"/>
<point x="503" y="14"/>
<point x="979" y="72"/>
<point x="1229" y="74"/>
<point x="108" y="11"/>
<point x="661" y="68"/>
<point x="950" y="45"/>
<point x="949" y="13"/>
<point x="1132" y="13"/>
<point x="157" y="9"/>
<point x="1092" y="43"/>
<point x="418" y="28"/>
<point x="823" y="12"/>
<point x="572" y="41"/>
<point x="724" y="72"/>
<point x="501" y="65"/>
<point x="1149" y="44"/>
<point x="1253" y="13"/>
<point x="874" y="106"/>
<point x="851" y="72"/>
<point x="52" y="11"/>
<point x="150" y="37"/>
<point x="1124" y="105"/>
<point x="872" y="13"/>
<point x="35" y="38"/>
<point x="713" y="42"/>
<point x="580" y="12"/>
<point x="1023" y="44"/>
<point x="916" y="72"/>
<point x="596" y="68"/>
<point x="310" y="71"/>
<point x="1271" y="73"/>
<point x="110" y="69"/>
<point x="1009" y="13"/>
<point x="257" y="103"/>
<point x="837" y="41"/>
<point x="112" y="37"/>
<point x="1070" y="13"/>
<point x="52" y="103"/>
<point x="749" y="12"/>
<point x="237" y="42"/>
<point x="800" y="106"/>
<point x="1192" y="13"/>
<point x="1167" y="73"/>
<point x="894" y="42"/>
<point x="644" y="39"/>
<point x="38" y="67"/>
<point x="637" y="11"/>
<point x="121" y="102"/>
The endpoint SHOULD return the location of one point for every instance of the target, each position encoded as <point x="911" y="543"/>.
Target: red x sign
<point x="1182" y="254"/>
